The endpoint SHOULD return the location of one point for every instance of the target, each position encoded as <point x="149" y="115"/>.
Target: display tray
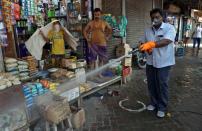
<point x="101" y="84"/>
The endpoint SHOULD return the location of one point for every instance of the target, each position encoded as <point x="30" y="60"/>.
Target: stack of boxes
<point x="28" y="96"/>
<point x="32" y="90"/>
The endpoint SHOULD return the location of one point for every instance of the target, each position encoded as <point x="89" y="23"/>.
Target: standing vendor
<point x="159" y="43"/>
<point x="56" y="39"/>
<point x="97" y="32"/>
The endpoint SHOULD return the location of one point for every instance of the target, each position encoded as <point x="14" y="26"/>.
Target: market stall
<point x="30" y="80"/>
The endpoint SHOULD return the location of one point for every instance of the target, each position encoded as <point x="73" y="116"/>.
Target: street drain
<point x="132" y="110"/>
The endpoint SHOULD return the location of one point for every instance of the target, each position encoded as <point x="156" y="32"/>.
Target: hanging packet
<point x="17" y="11"/>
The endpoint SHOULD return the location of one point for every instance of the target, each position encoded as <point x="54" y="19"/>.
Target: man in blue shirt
<point x="158" y="42"/>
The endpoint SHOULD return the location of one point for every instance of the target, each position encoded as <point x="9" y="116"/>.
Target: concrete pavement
<point x="185" y="105"/>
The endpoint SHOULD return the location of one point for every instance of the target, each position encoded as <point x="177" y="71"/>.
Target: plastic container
<point x="81" y="75"/>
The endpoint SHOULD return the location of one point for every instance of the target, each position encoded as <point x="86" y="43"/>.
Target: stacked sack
<point x="23" y="70"/>
<point x="7" y="80"/>
<point x="32" y="65"/>
<point x="12" y="66"/>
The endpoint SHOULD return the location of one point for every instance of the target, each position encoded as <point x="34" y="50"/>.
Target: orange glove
<point x="149" y="51"/>
<point x="148" y="46"/>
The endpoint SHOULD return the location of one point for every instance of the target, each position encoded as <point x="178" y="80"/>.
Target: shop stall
<point x="28" y="83"/>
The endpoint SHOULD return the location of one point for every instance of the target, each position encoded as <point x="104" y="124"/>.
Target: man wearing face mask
<point x="56" y="39"/>
<point x="97" y="32"/>
<point x="158" y="42"/>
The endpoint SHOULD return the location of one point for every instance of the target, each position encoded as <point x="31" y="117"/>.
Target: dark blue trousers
<point x="198" y="41"/>
<point x="157" y="80"/>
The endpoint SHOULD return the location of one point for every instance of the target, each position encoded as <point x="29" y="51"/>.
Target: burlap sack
<point x="56" y="111"/>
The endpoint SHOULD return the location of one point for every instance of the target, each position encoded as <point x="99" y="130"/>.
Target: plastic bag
<point x="22" y="63"/>
<point x="11" y="65"/>
<point x="24" y="74"/>
<point x="10" y="60"/>
<point x="21" y="67"/>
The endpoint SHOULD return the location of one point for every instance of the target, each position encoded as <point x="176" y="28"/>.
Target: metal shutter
<point x="113" y="7"/>
<point x="157" y="3"/>
<point x="137" y="12"/>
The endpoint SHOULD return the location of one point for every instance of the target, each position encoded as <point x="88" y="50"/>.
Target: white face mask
<point x="156" y="22"/>
<point x="57" y="28"/>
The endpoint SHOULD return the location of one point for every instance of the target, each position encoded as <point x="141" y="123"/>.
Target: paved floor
<point x="185" y="103"/>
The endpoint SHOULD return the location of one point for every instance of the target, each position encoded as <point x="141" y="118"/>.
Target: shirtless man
<point x="97" y="32"/>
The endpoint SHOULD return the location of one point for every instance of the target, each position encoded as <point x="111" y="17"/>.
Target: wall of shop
<point x="137" y="12"/>
<point x="97" y="4"/>
<point x="113" y="7"/>
<point x="157" y="3"/>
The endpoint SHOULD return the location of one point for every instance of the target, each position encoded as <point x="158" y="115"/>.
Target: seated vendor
<point x="56" y="39"/>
